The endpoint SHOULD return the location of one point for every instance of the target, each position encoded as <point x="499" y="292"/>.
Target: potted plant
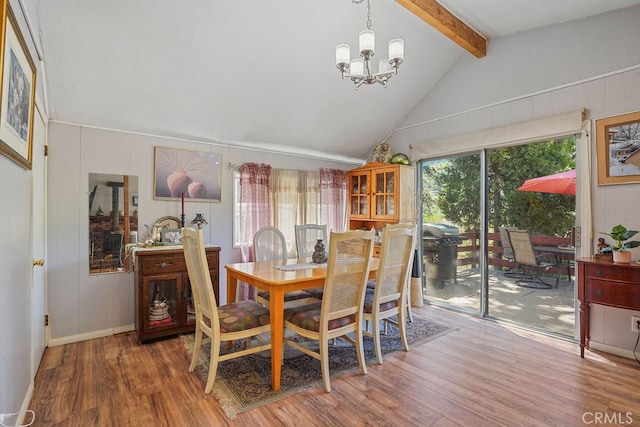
<point x="621" y="236"/>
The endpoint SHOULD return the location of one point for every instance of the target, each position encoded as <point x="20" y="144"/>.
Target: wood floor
<point x="484" y="374"/>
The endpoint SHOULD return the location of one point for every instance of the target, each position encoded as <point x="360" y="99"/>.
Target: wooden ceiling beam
<point x="448" y="24"/>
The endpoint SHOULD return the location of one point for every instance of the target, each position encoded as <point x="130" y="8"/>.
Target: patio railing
<point x="469" y="250"/>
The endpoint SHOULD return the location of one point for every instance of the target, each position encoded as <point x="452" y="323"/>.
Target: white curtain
<point x="294" y="201"/>
<point x="584" y="180"/>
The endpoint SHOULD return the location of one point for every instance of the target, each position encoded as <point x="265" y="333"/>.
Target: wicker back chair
<point x="390" y="295"/>
<point x="340" y="311"/>
<point x="242" y="320"/>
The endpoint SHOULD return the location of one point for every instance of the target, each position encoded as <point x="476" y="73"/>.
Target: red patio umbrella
<point x="558" y="183"/>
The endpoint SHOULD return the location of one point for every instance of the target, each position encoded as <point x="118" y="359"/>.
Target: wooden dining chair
<point x="340" y="312"/>
<point x="390" y="295"/>
<point x="269" y="244"/>
<point x="236" y="321"/>
<point x="307" y="236"/>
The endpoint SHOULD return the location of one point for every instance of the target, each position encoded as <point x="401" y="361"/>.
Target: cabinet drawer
<point x="161" y="265"/>
<point x="613" y="272"/>
<point x="624" y="295"/>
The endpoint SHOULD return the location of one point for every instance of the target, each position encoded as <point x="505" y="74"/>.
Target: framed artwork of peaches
<point x="187" y="175"/>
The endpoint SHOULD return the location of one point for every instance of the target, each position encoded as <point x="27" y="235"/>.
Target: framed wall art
<point x="618" y="149"/>
<point x="18" y="90"/>
<point x="194" y="175"/>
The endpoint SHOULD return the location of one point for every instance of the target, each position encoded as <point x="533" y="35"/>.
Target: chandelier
<point x="361" y="69"/>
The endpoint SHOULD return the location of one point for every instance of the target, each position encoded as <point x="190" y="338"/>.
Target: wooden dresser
<point x="606" y="283"/>
<point x="163" y="299"/>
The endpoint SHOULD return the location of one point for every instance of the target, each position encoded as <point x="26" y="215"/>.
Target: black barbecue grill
<point x="440" y="252"/>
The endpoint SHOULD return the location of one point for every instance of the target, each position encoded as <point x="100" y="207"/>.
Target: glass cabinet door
<point x="385" y="191"/>
<point x="359" y="198"/>
<point x="161" y="302"/>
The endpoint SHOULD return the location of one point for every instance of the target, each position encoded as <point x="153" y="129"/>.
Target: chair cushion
<point x="288" y="296"/>
<point x="308" y="317"/>
<point x="368" y="303"/>
<point x="243" y="315"/>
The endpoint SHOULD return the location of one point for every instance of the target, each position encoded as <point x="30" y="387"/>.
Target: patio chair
<point x="340" y="312"/>
<point x="530" y="263"/>
<point x="269" y="245"/>
<point x="390" y="296"/>
<point x="242" y="320"/>
<point x="507" y="251"/>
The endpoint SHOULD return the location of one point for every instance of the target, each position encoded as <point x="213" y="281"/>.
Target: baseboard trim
<point x="610" y="349"/>
<point x="90" y="335"/>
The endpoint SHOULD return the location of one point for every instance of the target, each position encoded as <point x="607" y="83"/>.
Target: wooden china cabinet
<point x="381" y="194"/>
<point x="163" y="298"/>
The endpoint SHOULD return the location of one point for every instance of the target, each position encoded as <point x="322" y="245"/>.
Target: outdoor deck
<point x="552" y="310"/>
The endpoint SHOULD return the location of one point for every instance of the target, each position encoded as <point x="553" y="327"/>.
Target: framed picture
<point x="618" y="148"/>
<point x="194" y="175"/>
<point x="18" y="90"/>
<point x="171" y="237"/>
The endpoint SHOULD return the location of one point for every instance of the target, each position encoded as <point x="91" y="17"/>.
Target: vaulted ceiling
<point x="262" y="73"/>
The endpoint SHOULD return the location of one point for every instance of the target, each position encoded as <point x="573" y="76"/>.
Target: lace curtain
<point x="283" y="198"/>
<point x="254" y="205"/>
<point x="333" y="199"/>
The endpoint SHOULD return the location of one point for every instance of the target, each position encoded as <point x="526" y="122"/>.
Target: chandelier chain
<point x="368" y="11"/>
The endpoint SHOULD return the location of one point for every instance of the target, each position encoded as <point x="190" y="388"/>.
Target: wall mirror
<point x="113" y="221"/>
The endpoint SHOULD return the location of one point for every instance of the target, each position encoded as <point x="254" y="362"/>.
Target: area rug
<point x="244" y="383"/>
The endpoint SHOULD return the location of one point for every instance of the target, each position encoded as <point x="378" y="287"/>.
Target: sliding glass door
<point x="450" y="231"/>
<point x="475" y="206"/>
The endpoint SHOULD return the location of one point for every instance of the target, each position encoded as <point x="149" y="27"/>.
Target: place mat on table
<point x="293" y="267"/>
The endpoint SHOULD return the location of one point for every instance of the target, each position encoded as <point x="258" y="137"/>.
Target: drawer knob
<point x="163" y="265"/>
<point x="599" y="273"/>
<point x="599" y="292"/>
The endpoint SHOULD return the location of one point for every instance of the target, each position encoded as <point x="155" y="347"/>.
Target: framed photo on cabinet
<point x="18" y="89"/>
<point x="618" y="149"/>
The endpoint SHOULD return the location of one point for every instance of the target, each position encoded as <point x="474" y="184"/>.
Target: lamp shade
<point x="384" y="66"/>
<point x="367" y="41"/>
<point x="343" y="54"/>
<point x="396" y="49"/>
<point x="357" y="67"/>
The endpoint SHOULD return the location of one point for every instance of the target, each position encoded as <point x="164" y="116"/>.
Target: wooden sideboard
<point x="163" y="299"/>
<point x="605" y="283"/>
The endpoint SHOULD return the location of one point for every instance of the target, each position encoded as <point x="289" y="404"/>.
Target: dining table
<point x="563" y="254"/>
<point x="278" y="278"/>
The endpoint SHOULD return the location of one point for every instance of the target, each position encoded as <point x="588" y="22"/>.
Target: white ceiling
<point x="257" y="73"/>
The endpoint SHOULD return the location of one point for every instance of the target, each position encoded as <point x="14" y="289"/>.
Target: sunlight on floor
<point x="552" y="310"/>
